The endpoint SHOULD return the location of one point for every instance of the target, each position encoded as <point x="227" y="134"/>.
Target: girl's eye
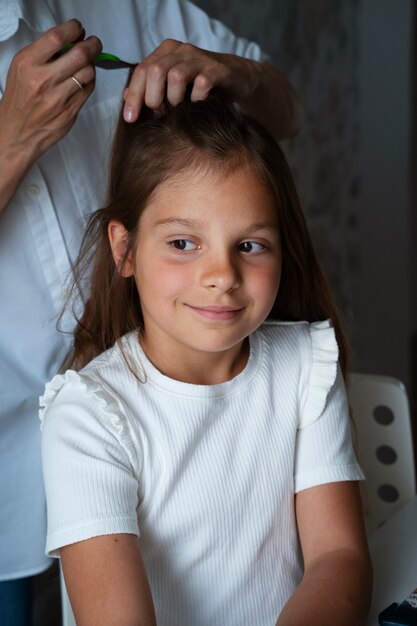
<point x="251" y="246"/>
<point x="184" y="245"/>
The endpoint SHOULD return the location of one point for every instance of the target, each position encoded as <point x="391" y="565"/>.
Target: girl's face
<point x="207" y="266"/>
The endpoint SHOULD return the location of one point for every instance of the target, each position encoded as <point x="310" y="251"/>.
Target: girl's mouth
<point x="217" y="312"/>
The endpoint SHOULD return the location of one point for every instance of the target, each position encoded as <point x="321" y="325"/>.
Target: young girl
<point x="199" y="470"/>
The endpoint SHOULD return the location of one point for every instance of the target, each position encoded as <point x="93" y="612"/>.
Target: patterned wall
<point x="315" y="43"/>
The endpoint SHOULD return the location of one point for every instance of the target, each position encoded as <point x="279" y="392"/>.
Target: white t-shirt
<point x="206" y="475"/>
<point x="41" y="231"/>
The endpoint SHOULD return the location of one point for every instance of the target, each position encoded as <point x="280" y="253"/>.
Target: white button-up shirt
<point x="41" y="231"/>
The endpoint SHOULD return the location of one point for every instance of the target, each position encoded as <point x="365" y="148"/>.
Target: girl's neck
<point x="199" y="369"/>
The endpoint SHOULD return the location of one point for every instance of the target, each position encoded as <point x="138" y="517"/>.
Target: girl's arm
<point x="107" y="583"/>
<point x="337" y="582"/>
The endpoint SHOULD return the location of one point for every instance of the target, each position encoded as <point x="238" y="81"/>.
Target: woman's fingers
<point x="53" y="40"/>
<point x="78" y="59"/>
<point x="169" y="70"/>
<point x="149" y="77"/>
<point x="44" y="93"/>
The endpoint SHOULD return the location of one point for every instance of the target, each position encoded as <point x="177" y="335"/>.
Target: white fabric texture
<point x="205" y="474"/>
<point x="41" y="230"/>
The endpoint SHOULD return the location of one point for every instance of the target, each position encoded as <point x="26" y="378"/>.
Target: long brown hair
<point x="215" y="135"/>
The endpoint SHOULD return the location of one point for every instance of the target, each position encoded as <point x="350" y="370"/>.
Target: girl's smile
<point x="207" y="267"/>
<point x="217" y="312"/>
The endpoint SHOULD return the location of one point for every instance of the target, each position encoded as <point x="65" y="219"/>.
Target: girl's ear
<point x="118" y="238"/>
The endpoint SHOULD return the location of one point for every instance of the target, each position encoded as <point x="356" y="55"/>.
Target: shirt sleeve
<point x="90" y="482"/>
<point x="183" y="20"/>
<point x="324" y="451"/>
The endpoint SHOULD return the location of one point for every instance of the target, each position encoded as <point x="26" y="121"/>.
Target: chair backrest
<point x="384" y="444"/>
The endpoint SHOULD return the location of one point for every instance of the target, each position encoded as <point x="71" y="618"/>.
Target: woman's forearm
<point x="13" y="167"/>
<point x="274" y="102"/>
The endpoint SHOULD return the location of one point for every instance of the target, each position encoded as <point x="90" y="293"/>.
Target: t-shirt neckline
<point x="153" y="376"/>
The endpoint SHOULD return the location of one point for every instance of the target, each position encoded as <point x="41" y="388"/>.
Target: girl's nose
<point x="221" y="273"/>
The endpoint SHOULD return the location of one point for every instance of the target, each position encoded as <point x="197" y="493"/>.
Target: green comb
<point x="104" y="60"/>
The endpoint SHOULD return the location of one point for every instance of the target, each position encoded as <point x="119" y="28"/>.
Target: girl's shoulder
<point x="88" y="405"/>
<point x="310" y="349"/>
<point x="307" y="336"/>
<point x="97" y="384"/>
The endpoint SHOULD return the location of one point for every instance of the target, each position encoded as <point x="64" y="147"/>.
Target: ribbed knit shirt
<point x="206" y="475"/>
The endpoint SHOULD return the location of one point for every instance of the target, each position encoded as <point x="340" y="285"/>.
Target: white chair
<point x="384" y="445"/>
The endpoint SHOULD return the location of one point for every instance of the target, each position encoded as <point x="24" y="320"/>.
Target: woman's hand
<point x="258" y="87"/>
<point x="41" y="100"/>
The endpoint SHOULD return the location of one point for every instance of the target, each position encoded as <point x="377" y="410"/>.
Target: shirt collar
<point x="37" y="14"/>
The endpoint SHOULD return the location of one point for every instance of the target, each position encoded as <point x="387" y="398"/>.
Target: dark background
<point x="354" y="159"/>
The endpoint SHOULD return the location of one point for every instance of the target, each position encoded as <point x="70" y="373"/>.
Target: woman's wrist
<point x="14" y="163"/>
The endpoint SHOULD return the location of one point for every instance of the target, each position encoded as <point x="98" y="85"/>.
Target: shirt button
<point x="33" y="191"/>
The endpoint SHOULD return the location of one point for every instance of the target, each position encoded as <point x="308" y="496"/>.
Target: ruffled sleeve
<point x="324" y="451"/>
<point x="90" y="463"/>
<point x="51" y="390"/>
<point x="96" y="393"/>
<point x="322" y="374"/>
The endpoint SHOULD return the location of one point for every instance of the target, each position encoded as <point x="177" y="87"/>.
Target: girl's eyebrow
<point x="263" y="226"/>
<point x="180" y="221"/>
<point x="195" y="224"/>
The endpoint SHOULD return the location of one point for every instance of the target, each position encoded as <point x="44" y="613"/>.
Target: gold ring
<point x="78" y="82"/>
